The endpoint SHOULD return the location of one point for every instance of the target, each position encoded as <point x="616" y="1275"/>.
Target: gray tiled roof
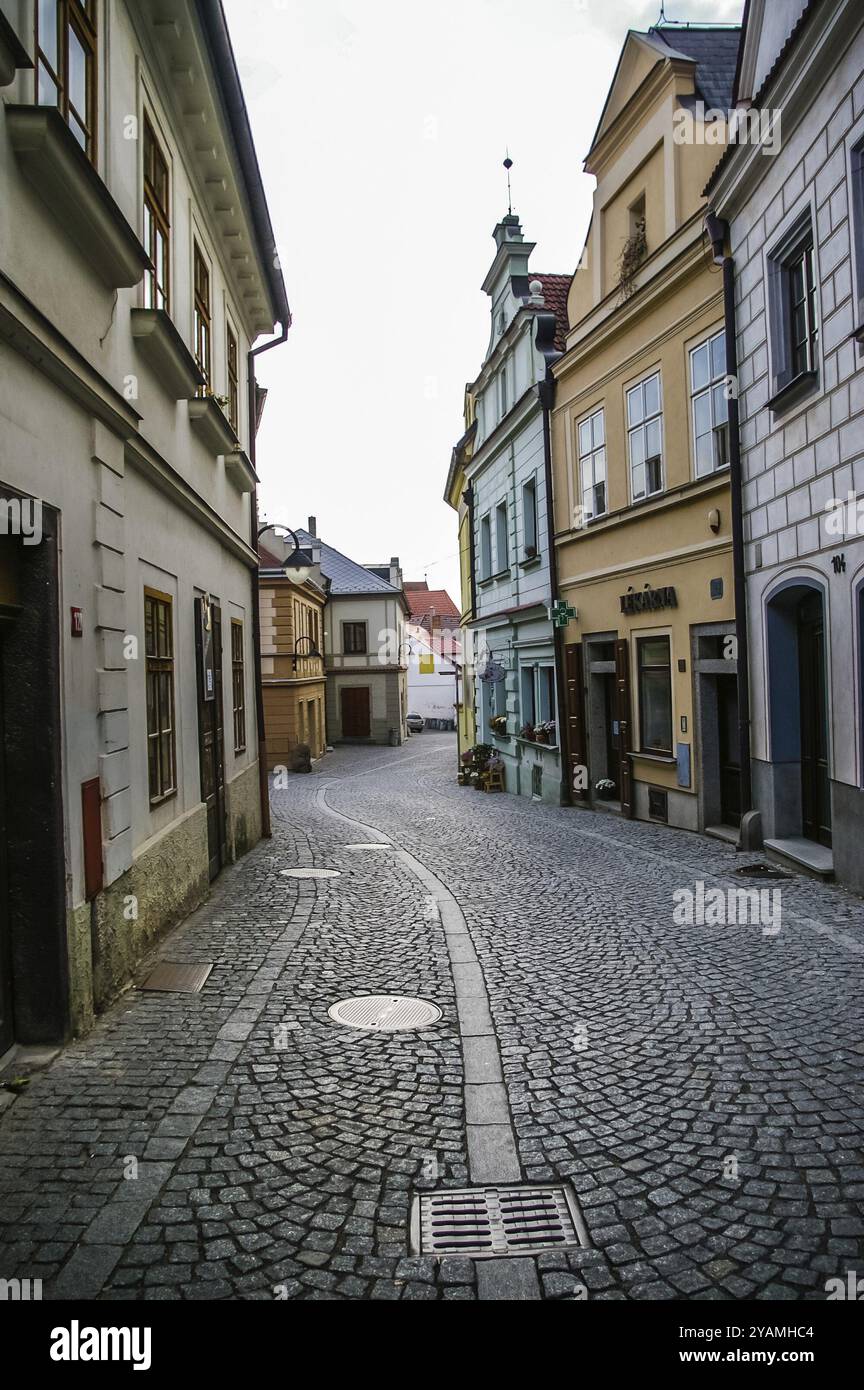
<point x="715" y="51"/>
<point x="346" y="576"/>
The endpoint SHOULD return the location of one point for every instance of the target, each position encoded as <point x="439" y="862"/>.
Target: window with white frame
<point x="537" y="695"/>
<point x="592" y="464"/>
<point x="503" y="392"/>
<point x="530" y="536"/>
<point x="502" y="538"/>
<point x="485" y="546"/>
<point x="645" y="437"/>
<point x="710" y="405"/>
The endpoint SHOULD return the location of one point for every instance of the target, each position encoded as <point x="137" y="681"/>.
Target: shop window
<point x="645" y="437"/>
<point x="592" y="465"/>
<point x="655" y="694"/>
<point x="710" y="405"/>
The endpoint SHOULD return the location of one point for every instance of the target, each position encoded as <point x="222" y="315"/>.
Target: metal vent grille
<point x="384" y="1013"/>
<point x="489" y="1222"/>
<point x="171" y="977"/>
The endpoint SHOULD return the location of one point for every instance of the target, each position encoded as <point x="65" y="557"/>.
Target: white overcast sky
<point x="381" y="126"/>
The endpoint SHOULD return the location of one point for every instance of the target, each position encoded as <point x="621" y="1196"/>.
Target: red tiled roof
<point x="424" y="602"/>
<point x="555" y="291"/>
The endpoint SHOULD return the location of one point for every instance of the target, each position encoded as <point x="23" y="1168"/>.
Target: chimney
<point x="312" y="526"/>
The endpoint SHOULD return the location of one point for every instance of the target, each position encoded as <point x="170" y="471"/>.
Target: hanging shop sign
<point x="648" y="600"/>
<point x="493" y="673"/>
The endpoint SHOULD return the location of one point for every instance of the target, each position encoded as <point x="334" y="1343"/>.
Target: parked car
<point x="416" y="723"/>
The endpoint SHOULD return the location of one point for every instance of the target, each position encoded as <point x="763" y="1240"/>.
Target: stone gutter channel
<point x="492" y="1154"/>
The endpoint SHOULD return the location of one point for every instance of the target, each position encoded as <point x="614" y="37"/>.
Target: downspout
<point x="717" y="232"/>
<point x="263" y="785"/>
<point x="546" y="392"/>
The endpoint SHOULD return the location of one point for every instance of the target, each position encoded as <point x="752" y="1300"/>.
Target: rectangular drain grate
<point x="486" y="1222"/>
<point x="172" y="978"/>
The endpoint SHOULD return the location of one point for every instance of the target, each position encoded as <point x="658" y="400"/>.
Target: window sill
<point x="239" y="471"/>
<point x="532" y="743"/>
<point x="161" y="345"/>
<point x="793" y="392"/>
<point x="209" y="421"/>
<point x="665" y="759"/>
<point x="61" y="173"/>
<point x="531" y="562"/>
<point x="158" y="801"/>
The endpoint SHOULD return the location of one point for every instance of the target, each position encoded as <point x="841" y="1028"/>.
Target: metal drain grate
<point x="761" y="871"/>
<point x="384" y="1013"/>
<point x="490" y="1222"/>
<point x="173" y="978"/>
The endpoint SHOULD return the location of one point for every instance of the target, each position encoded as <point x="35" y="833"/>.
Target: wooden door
<point x="576" y="736"/>
<point x="7" y="1032"/>
<point x="625" y="731"/>
<point x="356" y="707"/>
<point x="815" y="782"/>
<point x="730" y="755"/>
<point x="211" y="736"/>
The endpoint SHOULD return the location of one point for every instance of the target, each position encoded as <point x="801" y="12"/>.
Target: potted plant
<point x="498" y="725"/>
<point x="545" y="732"/>
<point x="527" y="732"/>
<point x="605" y="789"/>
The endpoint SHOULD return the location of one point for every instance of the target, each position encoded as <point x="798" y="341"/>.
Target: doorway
<point x="7" y="1028"/>
<point x="356" y="706"/>
<point x="208" y="631"/>
<point x="729" y="746"/>
<point x="815" y="783"/>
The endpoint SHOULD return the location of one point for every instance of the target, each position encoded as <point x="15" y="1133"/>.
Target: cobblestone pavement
<point x="698" y="1086"/>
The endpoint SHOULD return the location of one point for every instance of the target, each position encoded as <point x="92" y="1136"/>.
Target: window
<point x="502" y="539"/>
<point x="710" y="405"/>
<point x="503" y="396"/>
<point x="159" y="654"/>
<point x="233" y="382"/>
<point x="529" y="518"/>
<point x="238" y="686"/>
<point x="354" y="639"/>
<point x="592" y="465"/>
<point x="856" y="189"/>
<point x="655" y="694"/>
<point x="485" y="547"/>
<point x="794" y="316"/>
<point x="538" y="695"/>
<point x="66" y="65"/>
<point x="157" y="225"/>
<point x="202" y="319"/>
<point x="645" y="437"/>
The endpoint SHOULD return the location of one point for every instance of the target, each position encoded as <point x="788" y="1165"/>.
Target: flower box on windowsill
<point x="57" y="167"/>
<point x="209" y="420"/>
<point x="239" y="471"/>
<point x="161" y="345"/>
<point x="534" y="743"/>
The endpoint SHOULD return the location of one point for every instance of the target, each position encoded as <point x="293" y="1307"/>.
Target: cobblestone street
<point x="698" y="1086"/>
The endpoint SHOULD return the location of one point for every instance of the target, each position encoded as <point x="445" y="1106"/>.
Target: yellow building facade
<point x="640" y="454"/>
<point x="292" y="663"/>
<point x="454" y="496"/>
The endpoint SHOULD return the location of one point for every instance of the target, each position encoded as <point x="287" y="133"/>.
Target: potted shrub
<point x="498" y="725"/>
<point x="527" y="732"/>
<point x="605" y="789"/>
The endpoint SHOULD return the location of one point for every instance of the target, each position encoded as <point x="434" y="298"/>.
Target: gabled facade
<point x="292" y="594"/>
<point x="365" y="645"/>
<point x="138" y="269"/>
<point x="795" y="223"/>
<point x="640" y="452"/>
<point x="505" y="475"/>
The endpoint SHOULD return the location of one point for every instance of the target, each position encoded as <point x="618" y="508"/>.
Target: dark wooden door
<point x="7" y="1031"/>
<point x="729" y="748"/>
<point x="815" y="783"/>
<point x="609" y="721"/>
<point x="576" y="737"/>
<point x="356" y="712"/>
<point x="211" y="740"/>
<point x="625" y="733"/>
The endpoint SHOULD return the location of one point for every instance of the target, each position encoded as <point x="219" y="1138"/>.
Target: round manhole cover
<point x="384" y="1013"/>
<point x="311" y="873"/>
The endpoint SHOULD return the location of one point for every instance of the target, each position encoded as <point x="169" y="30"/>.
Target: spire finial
<point x="662" y="19"/>
<point x="508" y="165"/>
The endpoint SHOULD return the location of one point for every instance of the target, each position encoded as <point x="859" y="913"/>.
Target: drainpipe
<point x="717" y="232"/>
<point x="546" y="391"/>
<point x="263" y="785"/>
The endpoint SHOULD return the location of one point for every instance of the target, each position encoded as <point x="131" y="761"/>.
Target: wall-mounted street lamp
<point x="297" y="573"/>
<point x="296" y="656"/>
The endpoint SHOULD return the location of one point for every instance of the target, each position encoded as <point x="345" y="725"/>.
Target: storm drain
<point x="761" y="871"/>
<point x="171" y="977"/>
<point x="489" y="1222"/>
<point x="384" y="1013"/>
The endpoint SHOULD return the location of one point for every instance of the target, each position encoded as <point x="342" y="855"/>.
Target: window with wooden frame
<point x="161" y="733"/>
<point x="157" y="222"/>
<point x="354" y="642"/>
<point x="66" y="65"/>
<point x="655" y="694"/>
<point x="238" y="685"/>
<point x="203" y="320"/>
<point x="233" y="381"/>
<point x="793" y="314"/>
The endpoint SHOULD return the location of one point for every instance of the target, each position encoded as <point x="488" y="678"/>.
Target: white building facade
<point x="796" y="219"/>
<point x="516" y="702"/>
<point x="138" y="269"/>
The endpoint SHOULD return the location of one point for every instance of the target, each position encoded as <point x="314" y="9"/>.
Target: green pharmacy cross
<point x="561" y="613"/>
